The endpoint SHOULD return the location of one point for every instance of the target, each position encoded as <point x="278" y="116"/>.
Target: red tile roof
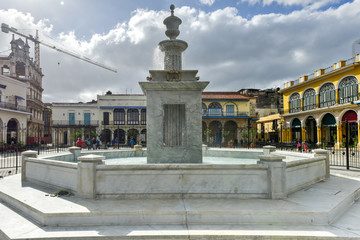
<point x="224" y="95"/>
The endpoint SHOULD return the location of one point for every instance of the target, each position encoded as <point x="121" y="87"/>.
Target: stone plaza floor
<point x="326" y="210"/>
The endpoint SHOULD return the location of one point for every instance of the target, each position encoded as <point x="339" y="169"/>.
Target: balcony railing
<point x="13" y="106"/>
<point x="29" y="97"/>
<point x="122" y="122"/>
<point x="76" y="123"/>
<point x="225" y="114"/>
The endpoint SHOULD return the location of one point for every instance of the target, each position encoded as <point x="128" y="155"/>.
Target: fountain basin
<point x="267" y="178"/>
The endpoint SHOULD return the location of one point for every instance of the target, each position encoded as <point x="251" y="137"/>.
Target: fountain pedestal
<point x="173" y="104"/>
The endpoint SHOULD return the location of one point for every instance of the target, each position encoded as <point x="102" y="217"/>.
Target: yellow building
<point x="317" y="106"/>
<point x="269" y="128"/>
<point x="228" y="118"/>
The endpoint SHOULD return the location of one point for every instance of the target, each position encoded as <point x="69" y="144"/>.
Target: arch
<point x="327" y="95"/>
<point x="294" y="102"/>
<point x="328" y="129"/>
<point x="105" y="136"/>
<point x="309" y="99"/>
<point x="350" y="115"/>
<point x="119" y="134"/>
<point x="12" y="131"/>
<point x="296" y="129"/>
<point x="230" y="130"/>
<point x="132" y="134"/>
<point x="310" y="130"/>
<point x="348" y="89"/>
<point x="215" y="128"/>
<point x="215" y="109"/>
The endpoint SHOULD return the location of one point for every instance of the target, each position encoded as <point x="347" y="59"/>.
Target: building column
<point x="319" y="135"/>
<point x="68" y="137"/>
<point x="303" y="134"/>
<point x="338" y="136"/>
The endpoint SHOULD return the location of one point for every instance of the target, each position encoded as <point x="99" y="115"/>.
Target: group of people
<point x="93" y="143"/>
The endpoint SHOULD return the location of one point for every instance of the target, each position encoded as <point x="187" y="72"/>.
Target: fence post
<point x="276" y="175"/>
<point x="86" y="183"/>
<point x="24" y="156"/>
<point x="322" y="152"/>
<point x="347" y="144"/>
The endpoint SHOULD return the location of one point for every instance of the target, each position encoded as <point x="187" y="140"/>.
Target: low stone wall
<point x="181" y="181"/>
<point x="276" y="175"/>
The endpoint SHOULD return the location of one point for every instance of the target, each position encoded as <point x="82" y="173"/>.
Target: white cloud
<point x="207" y="2"/>
<point x="230" y="51"/>
<point x="311" y="4"/>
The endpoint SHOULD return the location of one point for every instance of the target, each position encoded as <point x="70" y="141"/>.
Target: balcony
<point x="123" y="122"/>
<point x="13" y="106"/>
<point x="77" y="123"/>
<point x="33" y="99"/>
<point x="220" y="114"/>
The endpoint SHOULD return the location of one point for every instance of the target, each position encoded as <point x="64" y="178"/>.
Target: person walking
<point x="79" y="143"/>
<point x="93" y="143"/>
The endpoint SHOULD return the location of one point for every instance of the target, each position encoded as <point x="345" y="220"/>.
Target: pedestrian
<point x="89" y="144"/>
<point x="79" y="143"/>
<point x="299" y="146"/>
<point x="93" y="143"/>
<point x="97" y="143"/>
<point x="132" y="143"/>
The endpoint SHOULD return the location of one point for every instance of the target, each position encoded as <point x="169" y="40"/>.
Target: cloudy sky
<point x="233" y="43"/>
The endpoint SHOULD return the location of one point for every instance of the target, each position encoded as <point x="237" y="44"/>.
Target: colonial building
<point x="228" y="118"/>
<point x="13" y="111"/>
<point x="73" y="120"/>
<point x="317" y="106"/>
<point x="122" y="118"/>
<point x="21" y="67"/>
<point x="269" y="129"/>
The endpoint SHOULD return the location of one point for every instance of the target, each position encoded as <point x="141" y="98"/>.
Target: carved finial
<point x="172" y="7"/>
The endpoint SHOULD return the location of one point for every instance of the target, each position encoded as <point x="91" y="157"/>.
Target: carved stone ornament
<point x="173" y="76"/>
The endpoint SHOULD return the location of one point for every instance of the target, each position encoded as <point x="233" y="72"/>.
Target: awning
<point x="2" y="86"/>
<point x="122" y="107"/>
<point x="351" y="116"/>
<point x="19" y="97"/>
<point x="328" y="120"/>
<point x="296" y="123"/>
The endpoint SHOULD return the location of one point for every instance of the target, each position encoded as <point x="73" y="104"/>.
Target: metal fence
<point x="10" y="156"/>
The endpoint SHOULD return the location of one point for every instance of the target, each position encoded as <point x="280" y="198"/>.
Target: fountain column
<point x="173" y="104"/>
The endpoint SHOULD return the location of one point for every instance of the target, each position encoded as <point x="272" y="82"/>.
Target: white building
<point x="115" y="118"/>
<point x="73" y="120"/>
<point x="13" y="110"/>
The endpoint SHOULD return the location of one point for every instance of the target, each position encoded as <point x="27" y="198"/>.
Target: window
<point x="71" y="118"/>
<point x="119" y="117"/>
<point x="143" y="116"/>
<point x="133" y="117"/>
<point x="327" y="95"/>
<point x="348" y="90"/>
<point x="230" y="110"/>
<point x="87" y="119"/>
<point x="5" y="70"/>
<point x="215" y="109"/>
<point x="295" y="103"/>
<point x="174" y="124"/>
<point x="106" y="118"/>
<point x="309" y="100"/>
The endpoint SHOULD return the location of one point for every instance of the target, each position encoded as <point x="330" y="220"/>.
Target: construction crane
<point x="6" y="29"/>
